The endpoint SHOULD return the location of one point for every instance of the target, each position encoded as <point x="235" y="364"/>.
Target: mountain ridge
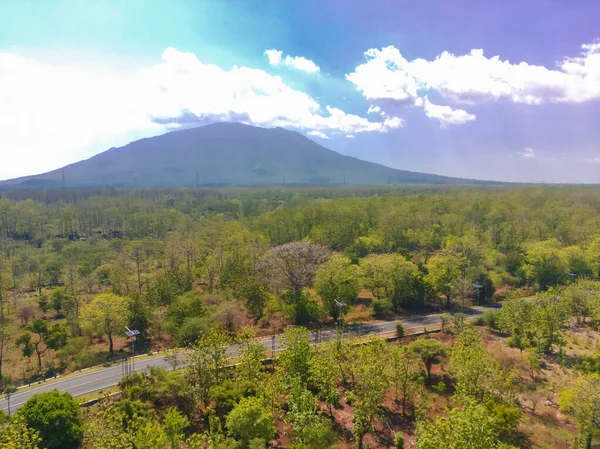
<point x="223" y="154"/>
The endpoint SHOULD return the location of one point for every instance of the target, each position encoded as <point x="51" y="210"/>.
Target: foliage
<point x="337" y="283"/>
<point x="250" y="419"/>
<point x="206" y="363"/>
<point x="15" y="434"/>
<point x="39" y="337"/>
<point x="55" y="417"/>
<point x="472" y="427"/>
<point x="581" y="401"/>
<point x="107" y="314"/>
<point x="429" y="351"/>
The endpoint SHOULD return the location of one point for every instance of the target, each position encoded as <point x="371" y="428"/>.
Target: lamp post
<point x="132" y="333"/>
<point x="341" y="305"/>
<point x="573" y="275"/>
<point x="9" y="389"/>
<point x="478" y="287"/>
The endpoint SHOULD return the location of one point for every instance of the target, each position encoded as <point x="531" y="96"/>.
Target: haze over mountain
<point x="223" y="154"/>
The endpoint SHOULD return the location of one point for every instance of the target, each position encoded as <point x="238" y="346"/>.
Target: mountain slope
<point x="223" y="154"/>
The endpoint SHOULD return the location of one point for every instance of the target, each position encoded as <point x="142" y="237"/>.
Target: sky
<point x="499" y="90"/>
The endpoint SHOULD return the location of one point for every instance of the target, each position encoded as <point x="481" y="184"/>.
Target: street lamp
<point x="478" y="287"/>
<point x="573" y="275"/>
<point x="132" y="333"/>
<point x="341" y="305"/>
<point x="10" y="389"/>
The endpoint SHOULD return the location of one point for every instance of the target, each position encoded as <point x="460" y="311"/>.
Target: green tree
<point x="39" y="337"/>
<point x="471" y="427"/>
<point x="15" y="434"/>
<point x="443" y="269"/>
<point x="174" y="424"/>
<point x="337" y="282"/>
<point x="107" y="314"/>
<point x="57" y="299"/>
<point x="295" y="359"/>
<point x="515" y="318"/>
<point x="429" y="351"/>
<point x="478" y="376"/>
<point x="581" y="400"/>
<point x="250" y="358"/>
<point x="548" y="321"/>
<point x="251" y="419"/>
<point x="391" y="276"/>
<point x="406" y="373"/>
<point x="372" y="382"/>
<point x="206" y="363"/>
<point x="544" y="264"/>
<point x="55" y="417"/>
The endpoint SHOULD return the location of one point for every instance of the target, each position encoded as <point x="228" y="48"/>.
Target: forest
<point x="204" y="274"/>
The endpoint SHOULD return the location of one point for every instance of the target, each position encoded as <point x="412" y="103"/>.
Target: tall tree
<point x="582" y="400"/>
<point x="106" y="314"/>
<point x="39" y="337"/>
<point x="337" y="283"/>
<point x="294" y="265"/>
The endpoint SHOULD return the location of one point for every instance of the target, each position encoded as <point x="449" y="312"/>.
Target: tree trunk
<point x="588" y="444"/>
<point x="39" y="357"/>
<point x="110" y="344"/>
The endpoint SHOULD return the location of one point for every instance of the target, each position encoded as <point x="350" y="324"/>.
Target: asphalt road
<point x="94" y="380"/>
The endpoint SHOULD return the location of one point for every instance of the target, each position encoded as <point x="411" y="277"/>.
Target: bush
<point x="56" y="417"/>
<point x="399" y="443"/>
<point x="382" y="307"/>
<point x="400" y="331"/>
<point x="446" y="319"/>
<point x="250" y="420"/>
<point x="487" y="318"/>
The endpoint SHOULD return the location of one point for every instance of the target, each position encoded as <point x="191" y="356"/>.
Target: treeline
<point x="175" y="265"/>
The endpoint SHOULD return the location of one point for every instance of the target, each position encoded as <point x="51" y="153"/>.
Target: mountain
<point x="223" y="154"/>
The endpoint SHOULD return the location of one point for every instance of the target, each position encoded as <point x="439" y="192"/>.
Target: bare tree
<point x="463" y="289"/>
<point x="294" y="265"/>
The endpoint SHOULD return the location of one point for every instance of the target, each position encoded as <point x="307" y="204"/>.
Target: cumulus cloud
<point x="319" y="134"/>
<point x="295" y="62"/>
<point x="51" y="115"/>
<point x="387" y="76"/>
<point x="374" y="110"/>
<point x="446" y="115"/>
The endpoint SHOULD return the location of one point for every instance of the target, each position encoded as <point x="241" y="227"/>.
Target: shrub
<point x="382" y="307"/>
<point x="399" y="443"/>
<point x="487" y="318"/>
<point x="446" y="319"/>
<point x="400" y="331"/>
<point x="250" y="420"/>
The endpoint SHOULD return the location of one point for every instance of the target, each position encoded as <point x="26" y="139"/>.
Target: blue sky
<point x="505" y="90"/>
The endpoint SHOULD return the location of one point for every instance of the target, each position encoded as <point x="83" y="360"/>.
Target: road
<point x="95" y="380"/>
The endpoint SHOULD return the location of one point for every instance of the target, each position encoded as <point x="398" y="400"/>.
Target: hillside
<point x="223" y="154"/>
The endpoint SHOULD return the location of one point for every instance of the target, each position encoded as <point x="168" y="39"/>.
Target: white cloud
<point x="592" y="160"/>
<point x="295" y="62"/>
<point x="274" y="56"/>
<point x="387" y="76"/>
<point x="374" y="110"/>
<point x="527" y="153"/>
<point x="51" y="115"/>
<point x="446" y="115"/>
<point x="319" y="134"/>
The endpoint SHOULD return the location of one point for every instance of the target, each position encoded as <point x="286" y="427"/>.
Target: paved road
<point x="88" y="382"/>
